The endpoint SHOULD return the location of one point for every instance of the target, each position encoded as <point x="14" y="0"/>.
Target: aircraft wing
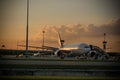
<point x="31" y="46"/>
<point x="44" y="47"/>
<point x="50" y="48"/>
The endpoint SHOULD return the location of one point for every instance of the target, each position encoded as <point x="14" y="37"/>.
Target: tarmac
<point x="57" y="72"/>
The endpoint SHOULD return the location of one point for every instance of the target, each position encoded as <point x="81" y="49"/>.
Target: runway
<point x="51" y="65"/>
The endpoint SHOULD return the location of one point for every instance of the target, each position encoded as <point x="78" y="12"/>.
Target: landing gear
<point x="91" y="55"/>
<point x="103" y="57"/>
<point x="97" y="56"/>
<point x="60" y="54"/>
<point x="61" y="57"/>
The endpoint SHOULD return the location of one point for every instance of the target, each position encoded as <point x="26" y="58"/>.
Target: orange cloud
<point x="81" y="33"/>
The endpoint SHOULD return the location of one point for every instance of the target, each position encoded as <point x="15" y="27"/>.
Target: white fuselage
<point x="79" y="48"/>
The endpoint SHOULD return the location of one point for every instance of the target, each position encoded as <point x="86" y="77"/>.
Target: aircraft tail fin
<point x="61" y="42"/>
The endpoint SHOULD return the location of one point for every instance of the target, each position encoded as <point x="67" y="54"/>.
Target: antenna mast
<point x="104" y="42"/>
<point x="43" y="42"/>
<point x="43" y="38"/>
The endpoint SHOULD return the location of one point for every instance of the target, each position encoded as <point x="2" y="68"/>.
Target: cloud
<point x="80" y="33"/>
<point x="111" y="28"/>
<point x="80" y="30"/>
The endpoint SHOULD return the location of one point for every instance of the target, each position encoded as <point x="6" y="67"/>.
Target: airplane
<point x="80" y="49"/>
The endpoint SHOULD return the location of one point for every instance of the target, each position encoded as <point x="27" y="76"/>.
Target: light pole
<point x="104" y="42"/>
<point x="27" y="25"/>
<point x="43" y="40"/>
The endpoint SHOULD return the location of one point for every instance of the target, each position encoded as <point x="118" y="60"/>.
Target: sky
<point x="76" y="20"/>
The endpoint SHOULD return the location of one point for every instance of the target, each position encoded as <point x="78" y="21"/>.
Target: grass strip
<point x="57" y="78"/>
<point x="74" y="60"/>
<point x="58" y="67"/>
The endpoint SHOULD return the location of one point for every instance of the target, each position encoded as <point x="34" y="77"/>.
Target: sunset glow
<point x="76" y="20"/>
